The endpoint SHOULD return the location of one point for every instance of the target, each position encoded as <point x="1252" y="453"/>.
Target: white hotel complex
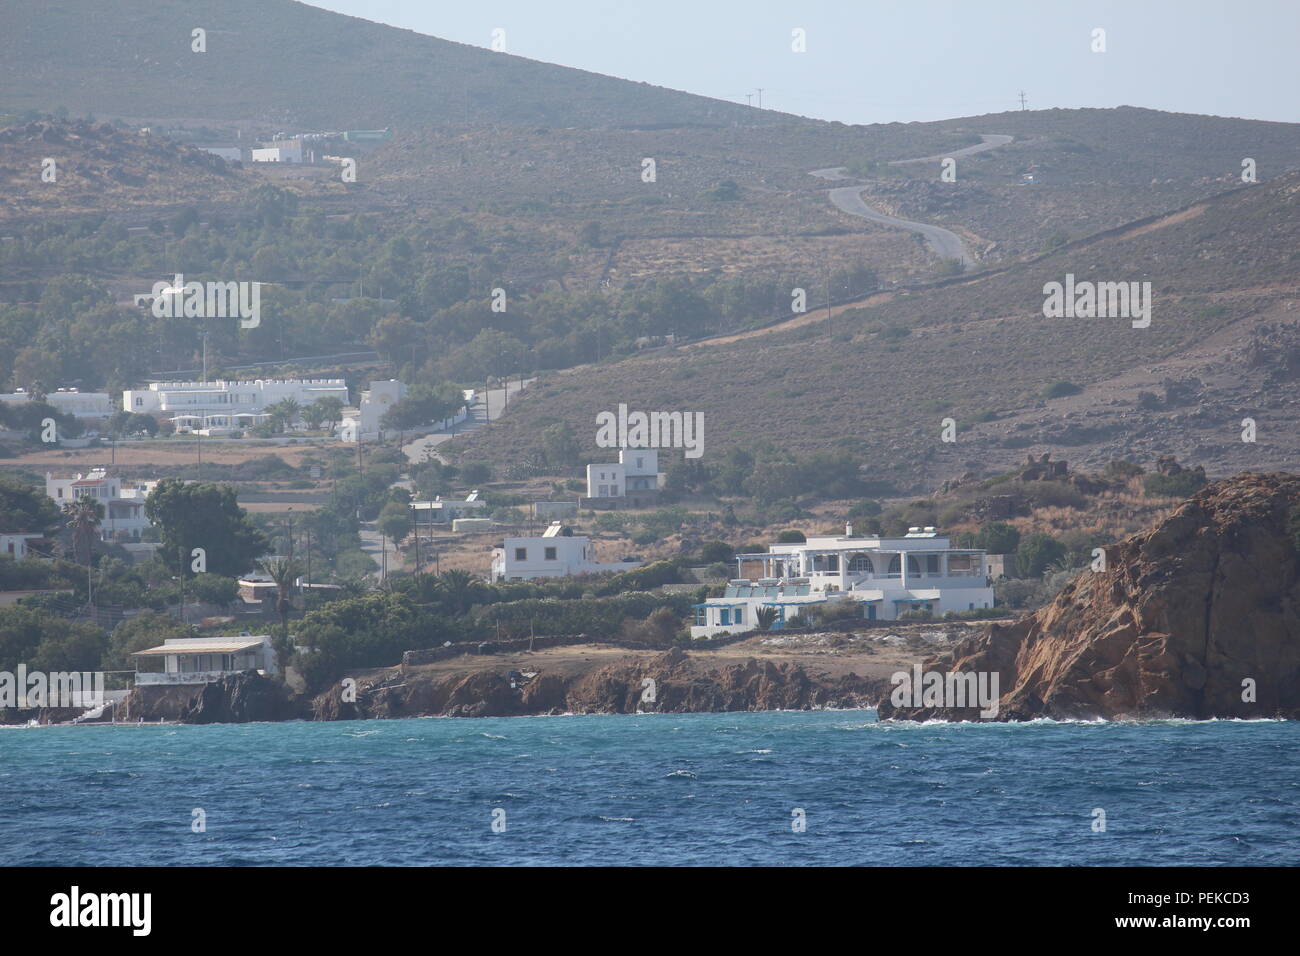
<point x="225" y="406"/>
<point x="884" y="576"/>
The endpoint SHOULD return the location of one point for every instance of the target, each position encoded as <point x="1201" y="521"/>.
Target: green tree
<point x="1037" y="553"/>
<point x="26" y="507"/>
<point x="998" y="538"/>
<point x="395" y="520"/>
<point x="203" y="515"/>
<point x="560" y="446"/>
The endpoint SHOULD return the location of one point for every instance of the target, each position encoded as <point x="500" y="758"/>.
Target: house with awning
<point x="885" y="577"/>
<point x="199" y="660"/>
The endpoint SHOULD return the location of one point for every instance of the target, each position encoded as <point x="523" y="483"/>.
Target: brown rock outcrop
<point x="681" y="684"/>
<point x="242" y="698"/>
<point x="1198" y="617"/>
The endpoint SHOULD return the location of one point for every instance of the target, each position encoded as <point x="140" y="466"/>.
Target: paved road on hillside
<point x="944" y="242"/>
<point x="489" y="405"/>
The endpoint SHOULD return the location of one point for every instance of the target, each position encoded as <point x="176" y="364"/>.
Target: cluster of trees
<point x="769" y="474"/>
<point x="423" y="405"/>
<point x="420" y="294"/>
<point x="372" y="630"/>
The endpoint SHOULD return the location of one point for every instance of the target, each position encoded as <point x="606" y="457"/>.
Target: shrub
<point x="1061" y="389"/>
<point x="1182" y="485"/>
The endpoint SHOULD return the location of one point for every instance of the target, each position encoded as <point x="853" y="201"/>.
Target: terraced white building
<point x="885" y="577"/>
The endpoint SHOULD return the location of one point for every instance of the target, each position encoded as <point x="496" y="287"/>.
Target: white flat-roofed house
<point x="68" y="401"/>
<point x="556" y="553"/>
<point x="284" y="151"/>
<point x="124" y="515"/>
<point x="221" y="407"/>
<point x="631" y="482"/>
<point x="885" y="576"/>
<point x="439" y="511"/>
<point x="200" y="660"/>
<point x="14" y="543"/>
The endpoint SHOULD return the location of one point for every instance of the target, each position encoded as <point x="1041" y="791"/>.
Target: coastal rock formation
<point x="1197" y="617"/>
<point x="241" y="698"/>
<point x="672" y="682"/>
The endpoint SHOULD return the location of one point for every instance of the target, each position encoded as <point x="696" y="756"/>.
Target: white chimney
<point x="848" y="529"/>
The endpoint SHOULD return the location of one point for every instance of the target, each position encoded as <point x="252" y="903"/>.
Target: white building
<point x="199" y="660"/>
<point x="124" y="515"/>
<point x="68" y="401"/>
<point x="221" y="406"/>
<point x="445" y="512"/>
<point x="280" y="151"/>
<point x="631" y="482"/>
<point x="884" y="576"/>
<point x="376" y="401"/>
<point x="556" y="553"/>
<point x="14" y="544"/>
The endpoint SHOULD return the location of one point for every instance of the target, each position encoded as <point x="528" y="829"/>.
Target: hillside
<point x="879" y="380"/>
<point x="289" y="64"/>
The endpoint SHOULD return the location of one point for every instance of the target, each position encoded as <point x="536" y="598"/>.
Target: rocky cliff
<point x="235" y="699"/>
<point x="670" y="682"/>
<point x="1197" y="617"/>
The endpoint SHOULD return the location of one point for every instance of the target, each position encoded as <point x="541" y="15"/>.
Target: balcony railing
<point x="180" y="677"/>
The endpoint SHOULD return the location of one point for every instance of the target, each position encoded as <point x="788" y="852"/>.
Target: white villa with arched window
<point x="886" y="577"/>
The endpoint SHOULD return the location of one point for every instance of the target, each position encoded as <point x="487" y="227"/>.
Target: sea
<point x="772" y="788"/>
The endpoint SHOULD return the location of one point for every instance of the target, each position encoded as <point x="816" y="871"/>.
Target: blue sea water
<point x="664" y="789"/>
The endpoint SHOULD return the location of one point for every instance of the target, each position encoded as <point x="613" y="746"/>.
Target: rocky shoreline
<point x="588" y="679"/>
<point x="1198" y="617"/>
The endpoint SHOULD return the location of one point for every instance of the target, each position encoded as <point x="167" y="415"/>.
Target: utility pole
<point x="760" y="97"/>
<point x="749" y="99"/>
<point x="417" y="546"/>
<point x="1022" y="100"/>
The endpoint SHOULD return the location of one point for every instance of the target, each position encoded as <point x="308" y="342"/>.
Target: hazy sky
<point x="870" y="61"/>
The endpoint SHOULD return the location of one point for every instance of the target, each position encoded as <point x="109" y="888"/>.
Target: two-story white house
<point x="124" y="514"/>
<point x="631" y="482"/>
<point x="884" y="576"/>
<point x="556" y="553"/>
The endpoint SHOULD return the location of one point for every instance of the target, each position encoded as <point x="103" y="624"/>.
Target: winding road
<point x="944" y="242"/>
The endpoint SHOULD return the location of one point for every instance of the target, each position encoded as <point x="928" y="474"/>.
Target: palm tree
<point x="282" y="571"/>
<point x="765" y="617"/>
<point x="331" y="408"/>
<point x="84" y="516"/>
<point x="458" y="587"/>
<point x="284" y="412"/>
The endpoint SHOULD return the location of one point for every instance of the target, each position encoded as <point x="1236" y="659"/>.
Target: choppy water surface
<point x="653" y="789"/>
